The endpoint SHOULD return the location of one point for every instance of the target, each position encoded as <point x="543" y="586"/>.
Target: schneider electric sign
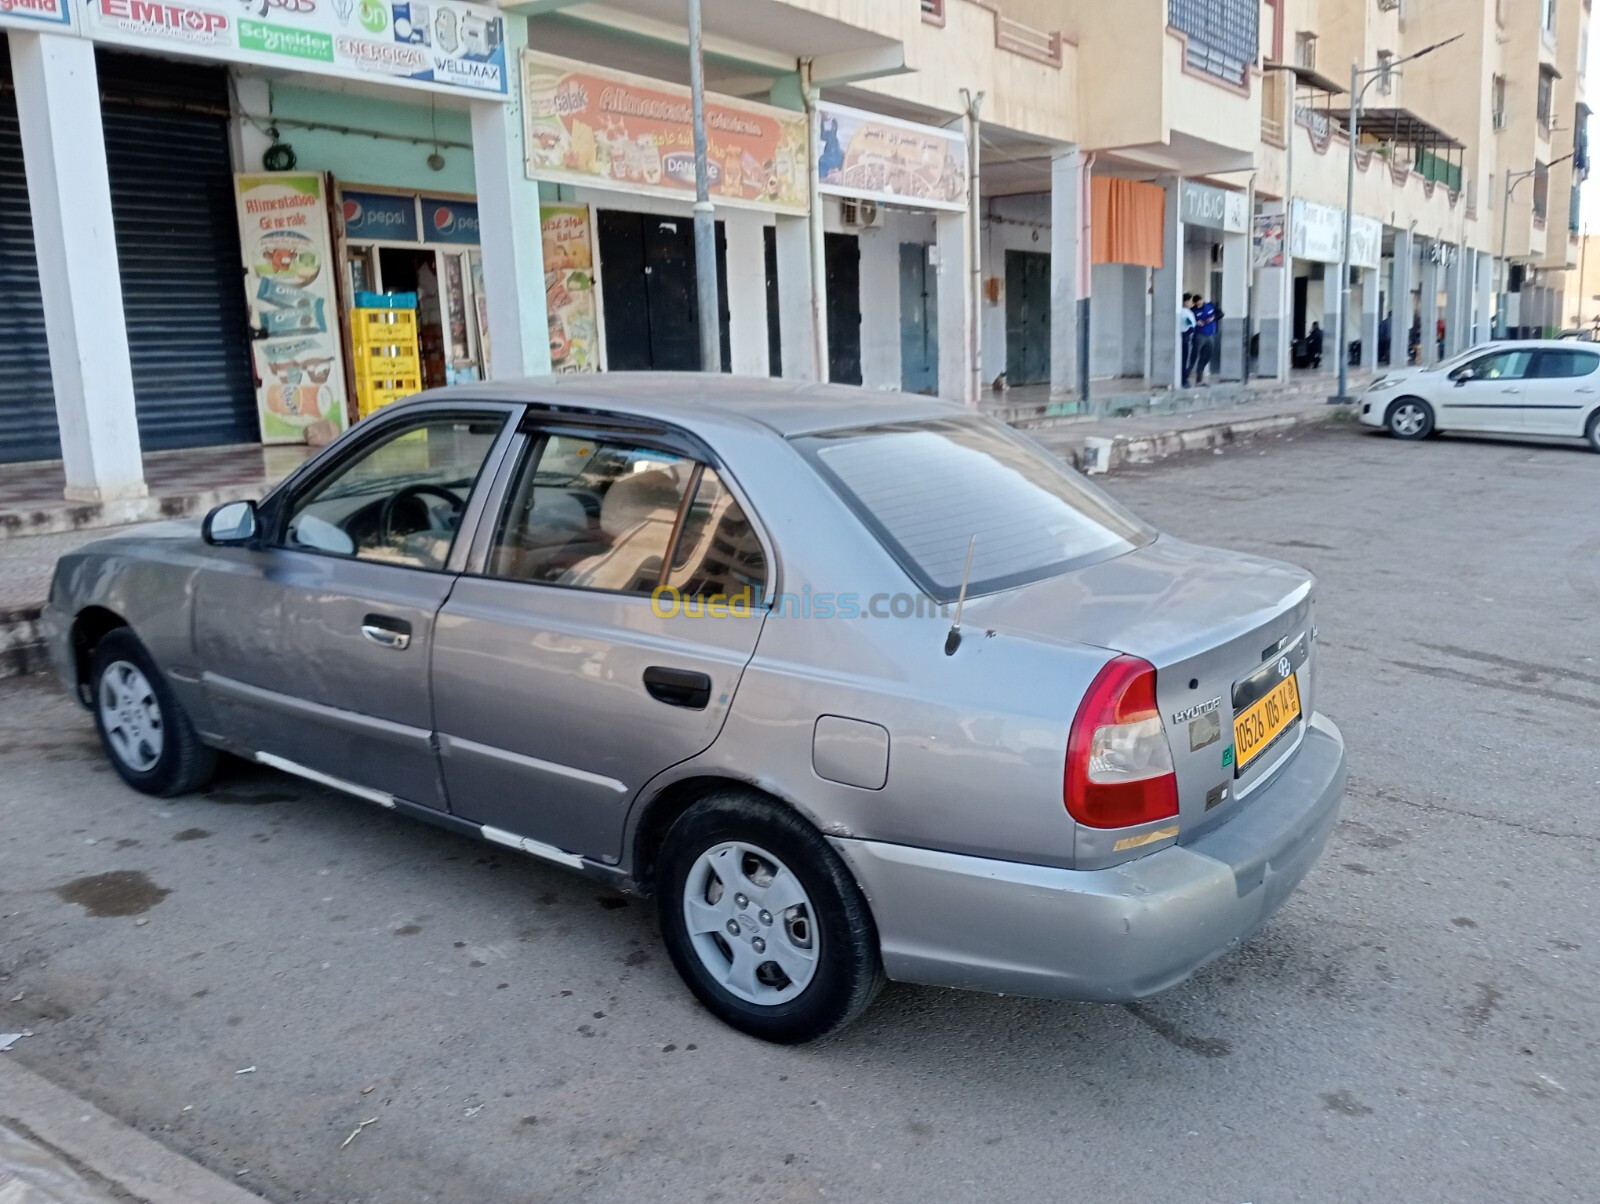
<point x="439" y="45"/>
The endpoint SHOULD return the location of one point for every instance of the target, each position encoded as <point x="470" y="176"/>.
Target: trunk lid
<point x="1219" y="627"/>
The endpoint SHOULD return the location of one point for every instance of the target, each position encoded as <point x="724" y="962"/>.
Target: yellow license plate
<point x="1261" y="724"/>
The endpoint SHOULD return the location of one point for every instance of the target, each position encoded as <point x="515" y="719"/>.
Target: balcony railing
<point x="1010" y="35"/>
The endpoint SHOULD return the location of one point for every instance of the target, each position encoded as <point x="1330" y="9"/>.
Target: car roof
<point x="787" y="407"/>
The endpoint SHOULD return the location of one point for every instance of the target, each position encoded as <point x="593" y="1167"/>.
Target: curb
<point x="1133" y="450"/>
<point x="20" y="524"/>
<point x="69" y="1150"/>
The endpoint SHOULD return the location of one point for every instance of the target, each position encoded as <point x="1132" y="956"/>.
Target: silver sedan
<point x="856" y="685"/>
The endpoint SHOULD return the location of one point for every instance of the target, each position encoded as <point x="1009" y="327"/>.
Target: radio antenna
<point x="953" y="640"/>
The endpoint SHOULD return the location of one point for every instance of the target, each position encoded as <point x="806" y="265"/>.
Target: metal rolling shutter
<point x="27" y="405"/>
<point x="167" y="150"/>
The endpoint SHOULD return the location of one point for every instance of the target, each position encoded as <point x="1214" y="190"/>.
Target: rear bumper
<point x="1105" y="935"/>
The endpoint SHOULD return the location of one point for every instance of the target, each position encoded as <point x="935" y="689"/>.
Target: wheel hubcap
<point x="1408" y="420"/>
<point x="130" y="716"/>
<point x="750" y="923"/>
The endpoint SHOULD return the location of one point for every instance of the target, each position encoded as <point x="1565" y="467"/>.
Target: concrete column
<point x="508" y="212"/>
<point x="1429" y="352"/>
<point x="69" y="193"/>
<point x="745" y="231"/>
<point x="1400" y="298"/>
<point x="880" y="303"/>
<point x="955" y="309"/>
<point x="250" y="141"/>
<point x="796" y="338"/>
<point x="1330" y="318"/>
<point x="1235" y="304"/>
<point x="1166" y="345"/>
<point x="1482" y="325"/>
<point x="1069" y="286"/>
<point x="1371" y="288"/>
<point x="1455" y="307"/>
<point x="1272" y="298"/>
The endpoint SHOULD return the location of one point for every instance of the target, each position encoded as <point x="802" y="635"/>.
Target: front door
<point x="1027" y="318"/>
<point x="600" y="637"/>
<point x="1562" y="388"/>
<point x="842" y="253"/>
<point x="647" y="274"/>
<point x="919" y="321"/>
<point x="1486" y="394"/>
<point x="314" y="647"/>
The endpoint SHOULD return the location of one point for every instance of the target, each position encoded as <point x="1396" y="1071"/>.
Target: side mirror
<point x="1463" y="376"/>
<point x="230" y="523"/>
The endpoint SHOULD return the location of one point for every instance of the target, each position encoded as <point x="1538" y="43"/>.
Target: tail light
<point x="1119" y="765"/>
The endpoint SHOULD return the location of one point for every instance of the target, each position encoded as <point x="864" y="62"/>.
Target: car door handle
<point x="678" y="687"/>
<point x="1510" y="390"/>
<point x="385" y="632"/>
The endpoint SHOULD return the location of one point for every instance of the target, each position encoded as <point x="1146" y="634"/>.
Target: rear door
<point x="1563" y="387"/>
<point x="564" y="678"/>
<point x="1486" y="394"/>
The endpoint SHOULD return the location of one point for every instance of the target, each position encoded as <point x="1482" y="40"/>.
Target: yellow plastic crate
<point x="382" y="361"/>
<point x="373" y="395"/>
<point x="369" y="326"/>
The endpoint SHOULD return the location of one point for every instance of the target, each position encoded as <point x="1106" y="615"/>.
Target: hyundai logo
<point x="1284" y="667"/>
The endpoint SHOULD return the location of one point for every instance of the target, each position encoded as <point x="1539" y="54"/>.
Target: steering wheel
<point x="412" y="493"/>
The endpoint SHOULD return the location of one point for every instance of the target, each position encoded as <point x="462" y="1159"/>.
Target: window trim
<point x="602" y="427"/>
<point x="274" y="510"/>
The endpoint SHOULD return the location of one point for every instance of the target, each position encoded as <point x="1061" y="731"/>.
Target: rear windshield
<point x="927" y="488"/>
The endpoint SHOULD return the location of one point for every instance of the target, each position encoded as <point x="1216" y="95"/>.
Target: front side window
<point x="926" y="489"/>
<point x="1561" y="365"/>
<point x="614" y="516"/>
<point x="1502" y="365"/>
<point x="400" y="499"/>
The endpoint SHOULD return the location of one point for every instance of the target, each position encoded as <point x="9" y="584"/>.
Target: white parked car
<point x="1531" y="387"/>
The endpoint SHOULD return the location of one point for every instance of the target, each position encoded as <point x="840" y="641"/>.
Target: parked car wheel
<point x="146" y="733"/>
<point x="763" y="920"/>
<point x="1410" y="418"/>
<point x="1593" y="433"/>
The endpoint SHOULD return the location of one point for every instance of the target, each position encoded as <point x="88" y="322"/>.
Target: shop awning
<point x="1399" y="126"/>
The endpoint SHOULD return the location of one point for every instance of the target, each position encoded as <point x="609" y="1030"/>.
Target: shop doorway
<point x="647" y="277"/>
<point x="842" y="256"/>
<point x="919" y="323"/>
<point x="1027" y="318"/>
<point x="774" y="327"/>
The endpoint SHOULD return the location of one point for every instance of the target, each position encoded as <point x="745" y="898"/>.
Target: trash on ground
<point x="356" y="1132"/>
<point x="246" y="1070"/>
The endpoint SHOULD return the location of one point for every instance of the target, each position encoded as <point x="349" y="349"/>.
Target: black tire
<point x="849" y="970"/>
<point x="1592" y="434"/>
<point x="183" y="763"/>
<point x="1409" y="418"/>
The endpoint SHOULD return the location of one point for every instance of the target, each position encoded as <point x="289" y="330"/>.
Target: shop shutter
<point x="27" y="405"/>
<point x="167" y="151"/>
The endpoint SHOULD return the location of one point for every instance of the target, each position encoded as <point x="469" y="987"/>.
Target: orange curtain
<point x="1127" y="221"/>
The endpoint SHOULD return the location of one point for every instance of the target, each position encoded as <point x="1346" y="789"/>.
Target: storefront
<point x="1317" y="246"/>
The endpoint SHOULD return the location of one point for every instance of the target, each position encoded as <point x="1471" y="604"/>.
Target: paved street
<point x="1418" y="1023"/>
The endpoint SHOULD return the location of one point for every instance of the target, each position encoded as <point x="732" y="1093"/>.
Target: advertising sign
<point x="450" y="221"/>
<point x="1213" y="208"/>
<point x="289" y="286"/>
<point x="569" y="283"/>
<point x="1319" y="235"/>
<point x="36" y="14"/>
<point x="896" y="162"/>
<point x="378" y="216"/>
<point x="591" y="126"/>
<point x="440" y="45"/>
<point x="1267" y="241"/>
<point x="1366" y="242"/>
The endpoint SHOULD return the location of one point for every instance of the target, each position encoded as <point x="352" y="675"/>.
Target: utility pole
<point x="705" y="222"/>
<point x="1512" y="180"/>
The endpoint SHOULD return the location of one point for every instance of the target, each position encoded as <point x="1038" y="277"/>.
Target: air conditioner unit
<point x="859" y="215"/>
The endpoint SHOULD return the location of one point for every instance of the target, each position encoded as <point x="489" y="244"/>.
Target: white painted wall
<point x="1117" y="321"/>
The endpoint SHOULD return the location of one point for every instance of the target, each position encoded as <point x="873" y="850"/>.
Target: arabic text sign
<point x="570" y="288"/>
<point x="1318" y="235"/>
<point x="36" y="14"/>
<point x="591" y="126"/>
<point x="441" y="45"/>
<point x="896" y="162"/>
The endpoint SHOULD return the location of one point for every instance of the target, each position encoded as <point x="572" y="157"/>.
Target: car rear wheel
<point x="763" y="920"/>
<point x="1410" y="418"/>
<point x="1593" y="433"/>
<point x="145" y="732"/>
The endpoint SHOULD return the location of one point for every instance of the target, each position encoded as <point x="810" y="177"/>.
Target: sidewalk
<point x="1127" y="429"/>
<point x="57" y="1149"/>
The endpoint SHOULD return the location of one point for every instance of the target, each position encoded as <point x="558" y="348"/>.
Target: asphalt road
<point x="1419" y="1023"/>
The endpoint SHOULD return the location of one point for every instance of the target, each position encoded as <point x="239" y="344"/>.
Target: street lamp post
<point x="1358" y="90"/>
<point x="1512" y="180"/>
<point x="705" y="221"/>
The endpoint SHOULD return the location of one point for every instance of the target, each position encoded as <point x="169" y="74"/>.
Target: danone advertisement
<point x="569" y="289"/>
<point x="897" y="162"/>
<point x="588" y="125"/>
<point x="54" y="15"/>
<point x="289" y="284"/>
<point x="435" y="44"/>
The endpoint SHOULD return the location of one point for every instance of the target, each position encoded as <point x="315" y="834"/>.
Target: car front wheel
<point x="1593" y="433"/>
<point x="144" y="730"/>
<point x="763" y="920"/>
<point x="1410" y="418"/>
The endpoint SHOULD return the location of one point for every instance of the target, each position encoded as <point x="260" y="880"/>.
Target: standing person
<point x="1384" y="337"/>
<point x="1314" y="345"/>
<point x="1206" y="339"/>
<point x="1186" y="328"/>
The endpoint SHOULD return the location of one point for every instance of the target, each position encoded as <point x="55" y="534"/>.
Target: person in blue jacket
<point x="1206" y="319"/>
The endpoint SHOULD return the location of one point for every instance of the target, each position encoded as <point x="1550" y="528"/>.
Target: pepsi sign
<point x="449" y="221"/>
<point x="379" y="216"/>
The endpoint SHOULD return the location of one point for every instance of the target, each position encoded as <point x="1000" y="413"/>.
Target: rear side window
<point x="927" y="488"/>
<point x="1563" y="364"/>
